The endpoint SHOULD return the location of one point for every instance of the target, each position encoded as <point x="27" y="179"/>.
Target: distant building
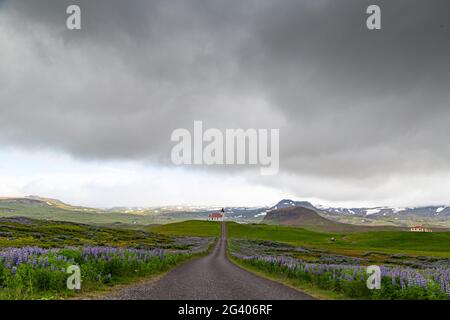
<point x="420" y="229"/>
<point x="215" y="217"/>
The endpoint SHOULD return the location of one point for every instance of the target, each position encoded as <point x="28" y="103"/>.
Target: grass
<point x="20" y="232"/>
<point x="276" y="233"/>
<point x="189" y="228"/>
<point x="427" y="244"/>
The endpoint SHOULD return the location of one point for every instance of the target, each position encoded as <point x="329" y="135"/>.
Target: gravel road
<point x="212" y="277"/>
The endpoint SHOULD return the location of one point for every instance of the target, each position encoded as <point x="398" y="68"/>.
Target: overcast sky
<point x="364" y="116"/>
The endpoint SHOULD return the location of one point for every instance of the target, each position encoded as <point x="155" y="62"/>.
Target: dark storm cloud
<point x="118" y="87"/>
<point x="358" y="101"/>
<point x="349" y="102"/>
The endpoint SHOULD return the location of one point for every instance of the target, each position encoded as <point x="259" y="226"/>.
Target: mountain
<point x="46" y="208"/>
<point x="287" y="203"/>
<point x="41" y="208"/>
<point x="309" y="219"/>
<point x="36" y="201"/>
<point x="297" y="216"/>
<point x="433" y="216"/>
<point x="426" y="211"/>
<point x="37" y="207"/>
<point x="429" y="211"/>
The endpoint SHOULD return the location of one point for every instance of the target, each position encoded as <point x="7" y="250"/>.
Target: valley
<point x="136" y="217"/>
<point x="295" y="244"/>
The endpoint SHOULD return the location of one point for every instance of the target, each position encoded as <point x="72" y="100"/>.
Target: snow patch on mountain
<point x="440" y="209"/>
<point x="372" y="211"/>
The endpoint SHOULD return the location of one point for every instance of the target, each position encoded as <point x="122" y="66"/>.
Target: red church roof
<point x="216" y="215"/>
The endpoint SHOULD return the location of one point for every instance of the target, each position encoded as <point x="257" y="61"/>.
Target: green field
<point x="331" y="265"/>
<point x="398" y="248"/>
<point x="21" y="232"/>
<point x="189" y="228"/>
<point x="429" y="244"/>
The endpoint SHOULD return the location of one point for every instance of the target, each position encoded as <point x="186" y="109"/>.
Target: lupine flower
<point x="407" y="277"/>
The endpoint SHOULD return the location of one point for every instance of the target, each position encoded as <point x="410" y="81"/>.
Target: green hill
<point x="19" y="232"/>
<point x="353" y="243"/>
<point x="189" y="228"/>
<point x="49" y="209"/>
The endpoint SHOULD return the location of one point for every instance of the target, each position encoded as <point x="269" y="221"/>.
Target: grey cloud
<point x="359" y="102"/>
<point x="350" y="103"/>
<point x="124" y="82"/>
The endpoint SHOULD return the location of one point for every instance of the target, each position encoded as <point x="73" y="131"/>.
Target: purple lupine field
<point x="347" y="275"/>
<point x="33" y="272"/>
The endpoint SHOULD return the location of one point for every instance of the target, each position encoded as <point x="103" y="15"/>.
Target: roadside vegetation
<point x="33" y="272"/>
<point x="334" y="265"/>
<point x="35" y="255"/>
<point x="349" y="282"/>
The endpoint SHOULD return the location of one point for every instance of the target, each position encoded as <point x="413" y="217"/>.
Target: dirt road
<point x="212" y="277"/>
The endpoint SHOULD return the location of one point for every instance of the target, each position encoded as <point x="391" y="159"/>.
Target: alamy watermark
<point x="373" y="21"/>
<point x="74" y="280"/>
<point x="374" y="279"/>
<point x="73" y="21"/>
<point x="231" y="147"/>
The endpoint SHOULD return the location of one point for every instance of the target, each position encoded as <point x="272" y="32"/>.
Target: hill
<point x="436" y="217"/>
<point x="309" y="219"/>
<point x="34" y="207"/>
<point x="22" y="232"/>
<point x="328" y="219"/>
